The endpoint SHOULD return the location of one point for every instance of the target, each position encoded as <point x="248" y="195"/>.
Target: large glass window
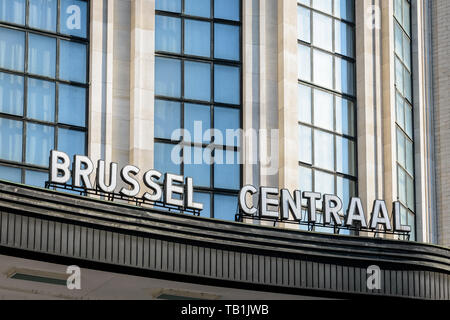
<point x="198" y="90"/>
<point x="404" y="112"/>
<point x="43" y="84"/>
<point x="327" y="95"/>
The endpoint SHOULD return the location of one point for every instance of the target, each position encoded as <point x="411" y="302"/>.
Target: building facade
<point x="336" y="97"/>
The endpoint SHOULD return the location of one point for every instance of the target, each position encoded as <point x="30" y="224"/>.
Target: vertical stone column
<point x="287" y="95"/>
<point x="142" y="83"/>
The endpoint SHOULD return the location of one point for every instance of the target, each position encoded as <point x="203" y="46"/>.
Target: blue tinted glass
<point x="11" y="94"/>
<point x="167" y="118"/>
<point x="72" y="105"/>
<point x="201" y="8"/>
<point x="168" y="5"/>
<point x="71" y="142"/>
<point x="197" y="38"/>
<point x="197" y="81"/>
<point x="167" y="77"/>
<point x="226" y="169"/>
<point x="345" y="76"/>
<point x="343" y="35"/>
<point x="164" y="160"/>
<point x="12" y="11"/>
<point x="168" y="34"/>
<point x="72" y="61"/>
<point x="40" y="140"/>
<point x="41" y="100"/>
<point x="36" y="178"/>
<point x="11" y="140"/>
<point x="227" y="121"/>
<point x="227" y="84"/>
<point x="10" y="174"/>
<point x="197" y="165"/>
<point x="12" y="49"/>
<point x="344" y="9"/>
<point x="225" y="207"/>
<point x="197" y="132"/>
<point x="42" y="55"/>
<point x="227" y="9"/>
<point x="205" y="199"/>
<point x="43" y="14"/>
<point x="226" y="42"/>
<point x="345" y="156"/>
<point x="73" y="17"/>
<point x="344" y="116"/>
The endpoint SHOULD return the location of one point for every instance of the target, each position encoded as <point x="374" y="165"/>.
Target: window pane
<point x="11" y="140"/>
<point x="42" y="56"/>
<point x="71" y="142"/>
<point x="12" y="49"/>
<point x="168" y="5"/>
<point x="227" y="121"/>
<point x="10" y="173"/>
<point x="197" y="81"/>
<point x="345" y="189"/>
<point x="201" y="8"/>
<point x="400" y="111"/>
<point x="205" y="199"/>
<point x="305" y="184"/>
<point x="304" y="24"/>
<point x="412" y="224"/>
<point x="167" y="77"/>
<point x="407" y="51"/>
<point x="167" y="118"/>
<point x="398" y="75"/>
<point x="227" y="84"/>
<point x="168" y="34"/>
<point x="304" y="104"/>
<point x="304" y="63"/>
<point x="344" y="9"/>
<point x="197" y="38"/>
<point x="72" y="61"/>
<point x="400" y="148"/>
<point x="323" y="110"/>
<point x="43" y="14"/>
<point x="406" y="17"/>
<point x="36" y="178"/>
<point x="12" y="11"/>
<point x="398" y="36"/>
<point x="72" y="105"/>
<point x="398" y="10"/>
<point x="345" y="156"/>
<point x="323" y="69"/>
<point x="197" y="132"/>
<point x="344" y="39"/>
<point x="41" y="100"/>
<point x="407" y="84"/>
<point x="11" y="94"/>
<point x="164" y="162"/>
<point x="323" y="150"/>
<point x="197" y="165"/>
<point x="408" y="120"/>
<point x="323" y="5"/>
<point x="345" y="117"/>
<point x="226" y="169"/>
<point x="401" y="185"/>
<point x="324" y="184"/>
<point x="225" y="207"/>
<point x="409" y="157"/>
<point x="40" y="140"/>
<point x="73" y="17"/>
<point x="322" y="31"/>
<point x="345" y="76"/>
<point x="305" y="145"/>
<point x="226" y="42"/>
<point x="227" y="9"/>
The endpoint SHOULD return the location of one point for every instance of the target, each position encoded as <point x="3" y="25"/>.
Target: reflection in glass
<point x="42" y="55"/>
<point x="227" y="121"/>
<point x="322" y="31"/>
<point x="226" y="169"/>
<point x="168" y="34"/>
<point x="345" y="118"/>
<point x="72" y="62"/>
<point x="10" y="174"/>
<point x="305" y="144"/>
<point x="36" y="178"/>
<point x="304" y="104"/>
<point x="12" y="49"/>
<point x="227" y="9"/>
<point x="71" y="142"/>
<point x="200" y="8"/>
<point x="43" y="14"/>
<point x="225" y="207"/>
<point x="323" y="5"/>
<point x="73" y="18"/>
<point x="197" y="38"/>
<point x="345" y="76"/>
<point x="11" y="140"/>
<point x="304" y="63"/>
<point x="323" y="69"/>
<point x="197" y="81"/>
<point x="200" y="114"/>
<point x="323" y="110"/>
<point x="41" y="100"/>
<point x="197" y="165"/>
<point x="344" y="9"/>
<point x="12" y="11"/>
<point x="11" y="94"/>
<point x="226" y="42"/>
<point x="227" y="84"/>
<point x="167" y="77"/>
<point x="344" y="38"/>
<point x="345" y="156"/>
<point x="168" y="5"/>
<point x="164" y="162"/>
<point x="323" y="150"/>
<point x="72" y="105"/>
<point x="205" y="199"/>
<point x="304" y="24"/>
<point x="39" y="142"/>
<point x="167" y="118"/>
